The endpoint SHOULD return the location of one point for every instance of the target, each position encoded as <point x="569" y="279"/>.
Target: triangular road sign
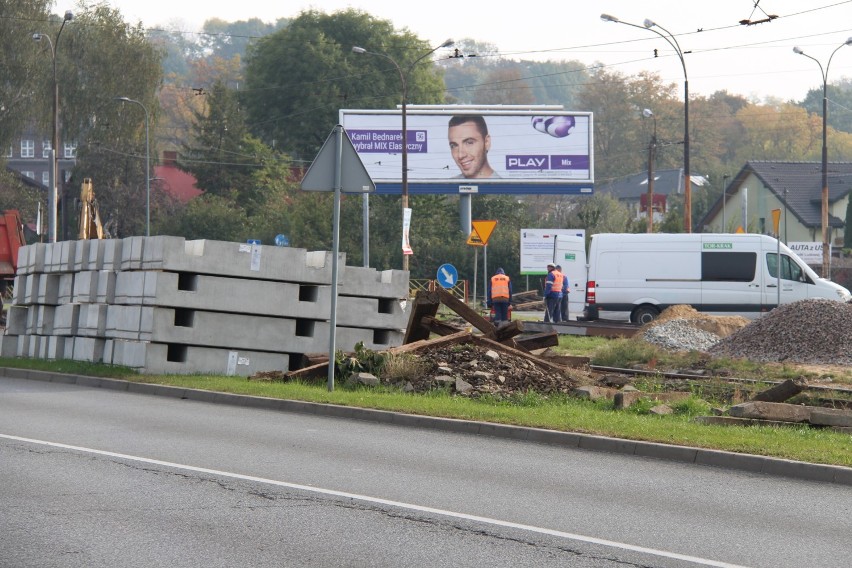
<point x="353" y="175"/>
<point x="484" y="229"/>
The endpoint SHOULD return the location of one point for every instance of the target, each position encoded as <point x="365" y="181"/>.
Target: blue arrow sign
<point x="448" y="276"/>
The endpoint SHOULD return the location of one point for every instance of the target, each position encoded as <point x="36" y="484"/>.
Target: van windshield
<point x="790" y="270"/>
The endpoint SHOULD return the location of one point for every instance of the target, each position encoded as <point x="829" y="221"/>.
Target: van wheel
<point x="644" y="314"/>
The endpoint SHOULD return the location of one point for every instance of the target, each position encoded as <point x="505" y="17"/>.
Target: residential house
<point x="795" y="188"/>
<point x="632" y="191"/>
<point x="29" y="154"/>
<point x="174" y="180"/>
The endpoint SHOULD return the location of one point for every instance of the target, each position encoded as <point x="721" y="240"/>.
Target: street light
<point x="52" y="197"/>
<point x="826" y="251"/>
<point x="672" y="41"/>
<point x="403" y="80"/>
<point x="147" y="166"/>
<point x="652" y="151"/>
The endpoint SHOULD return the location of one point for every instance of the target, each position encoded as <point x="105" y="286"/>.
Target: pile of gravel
<point x="815" y="332"/>
<point x="680" y="334"/>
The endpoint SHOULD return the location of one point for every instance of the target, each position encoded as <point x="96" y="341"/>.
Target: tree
<point x="298" y="78"/>
<point x="22" y="62"/>
<point x="100" y="58"/>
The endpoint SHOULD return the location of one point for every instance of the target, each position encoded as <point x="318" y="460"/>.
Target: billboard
<point x="466" y="149"/>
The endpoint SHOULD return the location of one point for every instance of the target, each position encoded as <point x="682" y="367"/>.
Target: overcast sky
<point x="752" y="60"/>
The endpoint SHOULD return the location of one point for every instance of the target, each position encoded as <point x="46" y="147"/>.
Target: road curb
<point x="683" y="454"/>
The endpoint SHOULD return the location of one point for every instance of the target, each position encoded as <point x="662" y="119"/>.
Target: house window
<point x="45" y="149"/>
<point x="70" y="150"/>
<point x="30" y="175"/>
<point x="45" y="178"/>
<point x="27" y="149"/>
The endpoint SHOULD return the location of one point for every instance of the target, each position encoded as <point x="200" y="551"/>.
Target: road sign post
<point x="336" y="168"/>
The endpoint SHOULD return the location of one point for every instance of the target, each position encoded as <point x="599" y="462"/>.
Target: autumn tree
<point x="298" y="78"/>
<point x="101" y="58"/>
<point x="21" y="62"/>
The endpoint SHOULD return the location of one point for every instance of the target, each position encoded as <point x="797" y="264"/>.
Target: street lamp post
<point x="652" y="151"/>
<point x="54" y="191"/>
<point x="672" y="41"/>
<point x="826" y="250"/>
<point x="403" y="80"/>
<point x="147" y="165"/>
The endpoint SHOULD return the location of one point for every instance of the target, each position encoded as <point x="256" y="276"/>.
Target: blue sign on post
<point x="448" y="276"/>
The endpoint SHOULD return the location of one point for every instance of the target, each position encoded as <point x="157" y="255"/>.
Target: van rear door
<point x="569" y="252"/>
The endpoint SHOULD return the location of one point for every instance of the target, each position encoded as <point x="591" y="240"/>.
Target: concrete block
<point x="65" y="319"/>
<point x="9" y="346"/>
<point x="67" y="256"/>
<point x="81" y="255"/>
<point x="109" y="347"/>
<point x="89" y="349"/>
<point x="346" y="338"/>
<point x="40" y="320"/>
<point x="20" y="284"/>
<point x="159" y="358"/>
<point x="31" y="289"/>
<point x="65" y="291"/>
<point x="96" y="255"/>
<point x="771" y="411"/>
<point x="16" y="320"/>
<point x="48" y="258"/>
<point x="23" y="346"/>
<point x="131" y="252"/>
<point x="33" y="347"/>
<point x="130" y="322"/>
<point x="92" y="320"/>
<point x="371" y="283"/>
<point x="48" y="288"/>
<point x="105" y="293"/>
<point x="381" y="313"/>
<point x="214" y="293"/>
<point x="240" y="260"/>
<point x="35" y="262"/>
<point x="85" y="287"/>
<point x="24" y="266"/>
<point x="55" y="348"/>
<point x="112" y="254"/>
<point x="831" y="417"/>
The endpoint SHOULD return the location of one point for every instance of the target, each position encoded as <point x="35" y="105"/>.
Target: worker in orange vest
<point x="552" y="294"/>
<point x="499" y="296"/>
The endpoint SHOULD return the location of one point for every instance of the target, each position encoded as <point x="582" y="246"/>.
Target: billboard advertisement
<point x="475" y="150"/>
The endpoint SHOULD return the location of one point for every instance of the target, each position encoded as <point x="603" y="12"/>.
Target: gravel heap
<point x="680" y="335"/>
<point x="814" y="332"/>
<point x="683" y="328"/>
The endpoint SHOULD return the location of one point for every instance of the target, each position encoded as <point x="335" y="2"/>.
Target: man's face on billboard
<point x="469" y="149"/>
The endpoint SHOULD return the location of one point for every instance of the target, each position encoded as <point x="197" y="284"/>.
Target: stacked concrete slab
<point x="168" y="305"/>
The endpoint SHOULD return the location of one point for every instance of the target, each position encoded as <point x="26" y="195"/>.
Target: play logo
<point x="527" y="162"/>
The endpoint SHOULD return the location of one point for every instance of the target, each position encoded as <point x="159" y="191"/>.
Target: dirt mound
<point x="723" y="326"/>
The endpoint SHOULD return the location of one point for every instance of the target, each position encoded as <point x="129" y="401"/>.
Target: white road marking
<point x="387" y="502"/>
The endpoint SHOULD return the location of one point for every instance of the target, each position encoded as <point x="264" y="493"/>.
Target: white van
<point x="569" y="252"/>
<point x="644" y="274"/>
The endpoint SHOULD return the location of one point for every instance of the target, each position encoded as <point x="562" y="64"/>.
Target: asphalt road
<point x="94" y="477"/>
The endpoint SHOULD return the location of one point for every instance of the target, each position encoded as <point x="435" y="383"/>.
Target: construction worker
<point x="499" y="296"/>
<point x="552" y="294"/>
<point x="563" y="306"/>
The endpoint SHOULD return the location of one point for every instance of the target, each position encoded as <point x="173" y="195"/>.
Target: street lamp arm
<point x="670" y="39"/>
<point x="147" y="164"/>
